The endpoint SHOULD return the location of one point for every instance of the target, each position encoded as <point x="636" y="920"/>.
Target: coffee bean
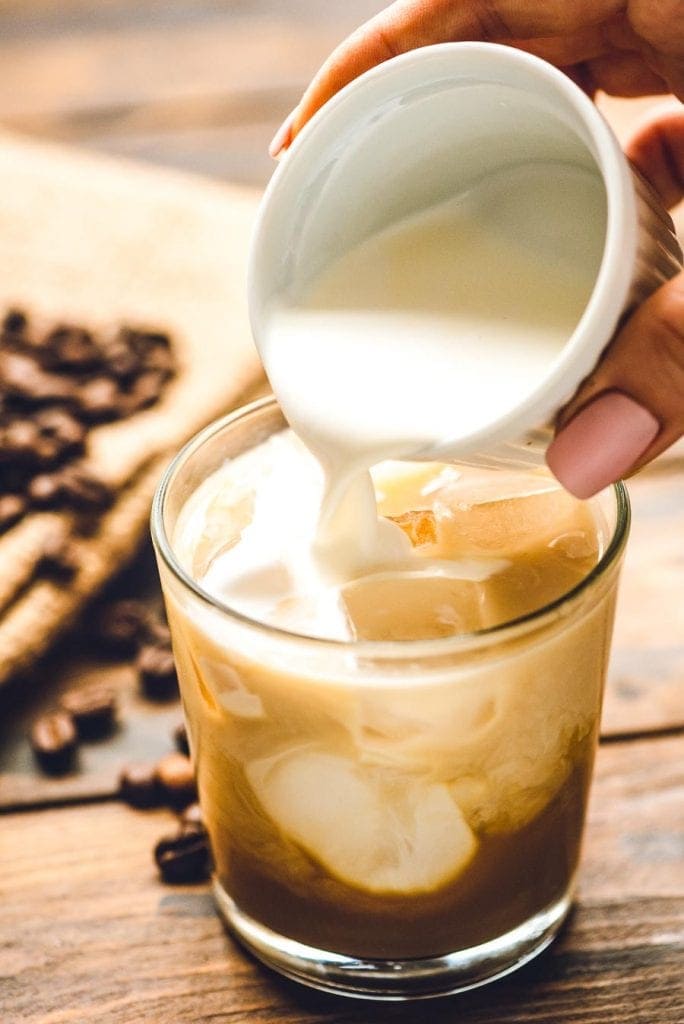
<point x="156" y="339"/>
<point x="82" y="492"/>
<point x="86" y="524"/>
<point x="176" y="780"/>
<point x="180" y="738"/>
<point x="12" y="508"/>
<point x="27" y="342"/>
<point x="131" y="338"/>
<point x="71" y="348"/>
<point x="18" y="442"/>
<point x="138" y="786"/>
<point x="93" y="709"/>
<point x="144" y="391"/>
<point x="23" y="443"/>
<point x="157" y="672"/>
<point x="59" y="560"/>
<point x="121" y="362"/>
<point x="72" y="487"/>
<point x="159" y="357"/>
<point x="14" y="323"/>
<point x="158" y="633"/>
<point x="22" y="377"/>
<point x="53" y="739"/>
<point x="45" y="490"/>
<point x="183" y="858"/>
<point x="121" y="627"/>
<point x="191" y="818"/>
<point x="99" y="400"/>
<point x="141" y="340"/>
<point x="65" y="429"/>
<point x="47" y="452"/>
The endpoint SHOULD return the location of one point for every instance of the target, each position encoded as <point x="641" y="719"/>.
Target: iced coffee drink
<point x="392" y="667"/>
<point x="393" y="767"/>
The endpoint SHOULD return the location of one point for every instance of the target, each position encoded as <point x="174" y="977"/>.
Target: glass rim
<point x="371" y="648"/>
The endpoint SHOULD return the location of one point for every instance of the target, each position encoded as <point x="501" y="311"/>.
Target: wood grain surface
<point x="194" y="85"/>
<point x="645" y="687"/>
<point x="90" y="935"/>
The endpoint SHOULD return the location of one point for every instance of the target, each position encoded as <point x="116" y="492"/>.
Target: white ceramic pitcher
<point x="422" y="127"/>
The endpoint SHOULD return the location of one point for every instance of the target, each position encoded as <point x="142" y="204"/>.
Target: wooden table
<point x="88" y="934"/>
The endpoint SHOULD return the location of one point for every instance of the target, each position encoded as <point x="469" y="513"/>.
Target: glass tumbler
<point x="335" y="777"/>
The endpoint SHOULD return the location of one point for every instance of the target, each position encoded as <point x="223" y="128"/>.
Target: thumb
<point x="632" y="407"/>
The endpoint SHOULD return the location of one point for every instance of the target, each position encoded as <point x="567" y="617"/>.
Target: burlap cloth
<point x="99" y="242"/>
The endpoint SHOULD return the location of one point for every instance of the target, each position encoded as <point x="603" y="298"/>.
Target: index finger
<point x="657" y="149"/>
<point x="409" y="24"/>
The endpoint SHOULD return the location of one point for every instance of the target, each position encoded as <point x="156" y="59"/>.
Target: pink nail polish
<point x="601" y="443"/>
<point x="282" y="137"/>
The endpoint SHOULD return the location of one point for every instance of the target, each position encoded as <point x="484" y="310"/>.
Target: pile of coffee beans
<point x="129" y="630"/>
<point x="56" y="383"/>
<point x="169" y="782"/>
<point x="126" y="629"/>
<point x="90" y="713"/>
<point x="185" y="855"/>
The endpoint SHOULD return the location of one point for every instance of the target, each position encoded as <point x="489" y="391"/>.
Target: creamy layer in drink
<point x="417" y="798"/>
<point x="391" y="808"/>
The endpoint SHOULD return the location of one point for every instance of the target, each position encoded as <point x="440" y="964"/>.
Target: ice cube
<point x="419" y="729"/>
<point x="502" y="739"/>
<point x="405" y="605"/>
<point x="504" y="526"/>
<point x="319" y="614"/>
<point x="535" y="579"/>
<point x="576" y="544"/>
<point x="230" y="688"/>
<point x="478" y="486"/>
<point x="373" y="829"/>
<point x="226" y="516"/>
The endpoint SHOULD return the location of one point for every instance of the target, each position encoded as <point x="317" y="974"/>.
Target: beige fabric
<point x="33" y="620"/>
<point x="101" y="242"/>
<point x="21" y="547"/>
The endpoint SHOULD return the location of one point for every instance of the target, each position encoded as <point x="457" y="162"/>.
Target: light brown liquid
<point x="384" y="812"/>
<point x="511" y="877"/>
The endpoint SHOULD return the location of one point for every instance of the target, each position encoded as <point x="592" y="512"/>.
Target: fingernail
<point x="601" y="443"/>
<point x="282" y="137"/>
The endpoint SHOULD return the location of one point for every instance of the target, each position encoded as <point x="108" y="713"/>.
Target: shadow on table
<point x="519" y="997"/>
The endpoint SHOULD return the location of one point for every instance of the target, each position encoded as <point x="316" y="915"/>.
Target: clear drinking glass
<point x="359" y="740"/>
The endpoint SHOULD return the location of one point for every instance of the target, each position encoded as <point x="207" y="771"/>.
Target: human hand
<point x="627" y="49"/>
<point x="631" y="408"/>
